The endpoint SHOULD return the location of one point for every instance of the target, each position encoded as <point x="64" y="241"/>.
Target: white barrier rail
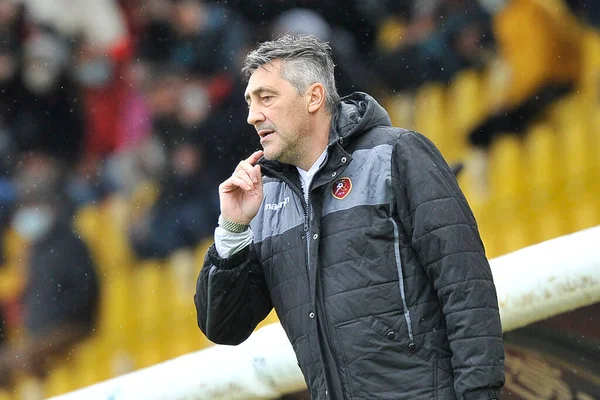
<point x="533" y="283"/>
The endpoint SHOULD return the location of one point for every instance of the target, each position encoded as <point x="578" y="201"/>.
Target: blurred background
<point x="119" y="118"/>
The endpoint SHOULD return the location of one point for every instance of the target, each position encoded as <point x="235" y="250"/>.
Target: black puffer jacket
<point x="383" y="288"/>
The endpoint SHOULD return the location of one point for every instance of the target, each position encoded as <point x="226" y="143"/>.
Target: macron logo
<point x="277" y="206"/>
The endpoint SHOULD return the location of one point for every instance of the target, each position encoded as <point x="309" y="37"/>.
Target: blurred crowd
<point x="100" y="96"/>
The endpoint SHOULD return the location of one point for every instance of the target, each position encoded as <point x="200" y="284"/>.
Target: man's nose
<point x="255" y="116"/>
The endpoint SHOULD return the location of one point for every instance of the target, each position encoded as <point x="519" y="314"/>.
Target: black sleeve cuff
<point x="233" y="261"/>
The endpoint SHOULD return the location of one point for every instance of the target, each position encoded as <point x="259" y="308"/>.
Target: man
<point x="359" y="236"/>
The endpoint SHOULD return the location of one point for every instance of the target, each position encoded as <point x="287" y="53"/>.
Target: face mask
<point x="38" y="80"/>
<point x="94" y="73"/>
<point x="32" y="223"/>
<point x="194" y="104"/>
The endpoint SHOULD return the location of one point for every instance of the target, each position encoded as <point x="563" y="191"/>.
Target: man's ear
<point x="315" y="97"/>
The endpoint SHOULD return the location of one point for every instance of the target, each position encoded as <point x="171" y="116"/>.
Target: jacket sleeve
<point x="231" y="296"/>
<point x="442" y="231"/>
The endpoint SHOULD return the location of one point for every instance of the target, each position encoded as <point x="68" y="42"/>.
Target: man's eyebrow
<point x="258" y="91"/>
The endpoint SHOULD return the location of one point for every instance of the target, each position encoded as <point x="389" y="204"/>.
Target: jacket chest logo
<point x="341" y="188"/>
<point x="277" y="206"/>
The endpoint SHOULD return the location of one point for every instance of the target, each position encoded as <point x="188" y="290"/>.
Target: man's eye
<point x="266" y="98"/>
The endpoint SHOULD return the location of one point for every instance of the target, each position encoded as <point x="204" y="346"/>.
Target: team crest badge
<point x="341" y="188"/>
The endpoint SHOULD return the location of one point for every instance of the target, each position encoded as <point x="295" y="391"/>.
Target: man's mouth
<point x="264" y="133"/>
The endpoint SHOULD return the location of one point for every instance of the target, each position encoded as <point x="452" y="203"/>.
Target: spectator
<point x="225" y="128"/>
<point x="98" y="22"/>
<point x="541" y="45"/>
<point x="587" y="10"/>
<point x="209" y="37"/>
<point x="185" y="212"/>
<point x="352" y="72"/>
<point x="191" y="50"/>
<point x="185" y="105"/>
<point x="61" y="295"/>
<point x="356" y="17"/>
<point x="101" y="47"/>
<point x="436" y="52"/>
<point x="122" y="169"/>
<point x="11" y="30"/>
<point x="155" y="32"/>
<point x="46" y="114"/>
<point x="98" y="30"/>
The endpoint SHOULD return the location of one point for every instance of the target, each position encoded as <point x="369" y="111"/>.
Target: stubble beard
<point x="294" y="152"/>
<point x="277" y="152"/>
<point x="286" y="151"/>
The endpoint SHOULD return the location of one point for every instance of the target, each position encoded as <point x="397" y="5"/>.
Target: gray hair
<point x="305" y="60"/>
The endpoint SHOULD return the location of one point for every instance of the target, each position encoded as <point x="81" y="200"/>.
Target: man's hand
<point x="241" y="194"/>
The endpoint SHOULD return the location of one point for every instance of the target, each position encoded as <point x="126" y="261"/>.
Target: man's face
<point x="279" y="114"/>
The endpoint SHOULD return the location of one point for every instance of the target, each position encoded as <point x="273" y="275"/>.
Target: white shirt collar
<point x="307" y="176"/>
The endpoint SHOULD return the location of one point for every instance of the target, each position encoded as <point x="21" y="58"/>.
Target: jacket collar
<point x="355" y="115"/>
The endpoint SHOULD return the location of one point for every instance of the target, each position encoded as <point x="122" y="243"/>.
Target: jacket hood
<point x="357" y="113"/>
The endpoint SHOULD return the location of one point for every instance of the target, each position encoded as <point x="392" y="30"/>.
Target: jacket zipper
<point x="401" y="280"/>
<point x="305" y="201"/>
<point x="211" y="273"/>
<point x="307" y="208"/>
<point x="306" y="234"/>
<point x="307" y="212"/>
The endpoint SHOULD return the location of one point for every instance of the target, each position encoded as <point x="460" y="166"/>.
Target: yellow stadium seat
<point x="583" y="212"/>
<point x="488" y="228"/>
<point x="179" y="281"/>
<point x="430" y="115"/>
<point x="545" y="183"/>
<point x="148" y="313"/>
<point x="577" y="160"/>
<point x="595" y="145"/>
<point x="193" y="337"/>
<point x="496" y="79"/>
<point x="12" y="273"/>
<point x="569" y="116"/>
<point x="590" y="76"/>
<point x="506" y="169"/>
<point x="464" y="109"/>
<point x="465" y="99"/>
<point x="200" y="252"/>
<point x="114" y="252"/>
<point x="508" y="193"/>
<point x="143" y="197"/>
<point x="89" y="363"/>
<point x="59" y="380"/>
<point x="12" y="281"/>
<point x="87" y="222"/>
<point x="183" y="273"/>
<point x="542" y="149"/>
<point x="541" y="42"/>
<point x="116" y="320"/>
<point x="400" y="107"/>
